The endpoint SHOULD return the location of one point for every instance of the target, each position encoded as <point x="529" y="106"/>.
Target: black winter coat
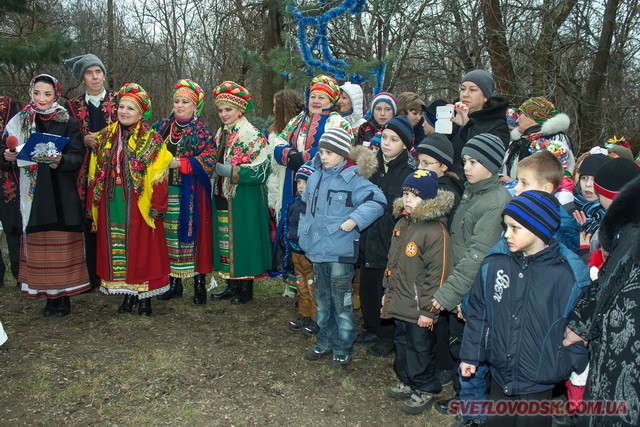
<point x="491" y="119"/>
<point x="609" y="316"/>
<point x="56" y="202"/>
<point x="376" y="239"/>
<point x="455" y="186"/>
<point x="516" y="316"/>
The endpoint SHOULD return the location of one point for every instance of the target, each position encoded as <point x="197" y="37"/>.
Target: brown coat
<point x="420" y="259"/>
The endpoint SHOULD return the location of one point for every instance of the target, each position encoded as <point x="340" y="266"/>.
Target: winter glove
<point x="295" y="160"/>
<point x="224" y="170"/>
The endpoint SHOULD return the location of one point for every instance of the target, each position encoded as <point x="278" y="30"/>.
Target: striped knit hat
<point x="439" y="147"/>
<point x="387" y="97"/>
<point x="537" y="211"/>
<point x="336" y="140"/>
<point x="305" y="171"/>
<point x="403" y="127"/>
<point x="487" y="149"/>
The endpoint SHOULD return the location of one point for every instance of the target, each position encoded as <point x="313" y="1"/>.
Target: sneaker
<point x="310" y="328"/>
<point x="400" y="392"/>
<point x="444" y="406"/>
<point x="445" y="376"/>
<point x="340" y="361"/>
<point x="298" y="323"/>
<point x="418" y="403"/>
<point x="365" y="337"/>
<point x="314" y="353"/>
<point x="382" y="348"/>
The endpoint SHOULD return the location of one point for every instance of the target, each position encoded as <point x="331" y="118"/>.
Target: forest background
<point x="582" y="54"/>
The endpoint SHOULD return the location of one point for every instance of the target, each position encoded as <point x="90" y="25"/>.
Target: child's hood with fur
<point x="427" y="210"/>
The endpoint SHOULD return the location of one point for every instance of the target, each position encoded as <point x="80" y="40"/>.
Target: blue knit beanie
<point x="403" y="127"/>
<point x="422" y="183"/>
<point x="305" y="171"/>
<point x="537" y="211"/>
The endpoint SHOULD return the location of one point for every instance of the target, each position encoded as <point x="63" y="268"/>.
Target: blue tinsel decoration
<point x="329" y="64"/>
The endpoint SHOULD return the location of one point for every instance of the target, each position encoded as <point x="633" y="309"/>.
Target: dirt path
<point x="216" y="364"/>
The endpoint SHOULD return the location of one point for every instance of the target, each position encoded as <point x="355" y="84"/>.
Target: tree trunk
<point x="543" y="53"/>
<point x="589" y="123"/>
<point x="501" y="64"/>
<point x="272" y="39"/>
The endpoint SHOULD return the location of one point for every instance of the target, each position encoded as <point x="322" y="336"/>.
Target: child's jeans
<point x="304" y="285"/>
<point x="334" y="309"/>
<point x="474" y="388"/>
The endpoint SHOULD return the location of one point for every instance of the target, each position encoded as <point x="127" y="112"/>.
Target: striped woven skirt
<point x="182" y="255"/>
<point x="52" y="264"/>
<point x="118" y="240"/>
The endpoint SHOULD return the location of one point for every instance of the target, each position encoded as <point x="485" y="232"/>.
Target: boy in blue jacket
<point x="517" y="309"/>
<point x="340" y="202"/>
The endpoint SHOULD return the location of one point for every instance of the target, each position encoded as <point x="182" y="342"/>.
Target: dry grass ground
<point x="215" y="364"/>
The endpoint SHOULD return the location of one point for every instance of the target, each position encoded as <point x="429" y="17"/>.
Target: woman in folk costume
<point x="188" y="222"/>
<point x="241" y="231"/>
<point x="52" y="260"/>
<point x="127" y="196"/>
<point x="298" y="143"/>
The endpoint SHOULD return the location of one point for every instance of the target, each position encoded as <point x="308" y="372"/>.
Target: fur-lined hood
<point x="365" y="160"/>
<point x="427" y="210"/>
<point x="624" y="210"/>
<point x="360" y="156"/>
<point x="556" y="124"/>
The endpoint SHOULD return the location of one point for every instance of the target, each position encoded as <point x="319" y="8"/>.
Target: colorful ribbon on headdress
<point x="139" y="96"/>
<point x="187" y="88"/>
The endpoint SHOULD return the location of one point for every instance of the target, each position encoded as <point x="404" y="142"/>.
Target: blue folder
<point x="40" y="138"/>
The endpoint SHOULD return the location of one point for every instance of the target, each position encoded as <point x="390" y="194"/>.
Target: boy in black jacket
<point x="518" y="305"/>
<point x="302" y="267"/>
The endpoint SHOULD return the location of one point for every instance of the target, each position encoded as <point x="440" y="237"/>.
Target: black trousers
<point x="415" y="357"/>
<point x="10" y="218"/>
<point x="91" y="253"/>
<point x="444" y="360"/>
<point x="371" y="292"/>
<point x="513" y="420"/>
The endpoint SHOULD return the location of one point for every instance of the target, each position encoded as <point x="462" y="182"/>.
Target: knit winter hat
<point x="439" y="147"/>
<point x="78" y="65"/>
<point x="139" y="96"/>
<point x="187" y="88"/>
<point x="336" y="140"/>
<point x="305" y="171"/>
<point x="539" y="109"/>
<point x="487" y="149"/>
<point x="483" y="80"/>
<point x="387" y="97"/>
<point x="326" y="84"/>
<point x="403" y="127"/>
<point x="432" y="110"/>
<point x="537" y="211"/>
<point x="423" y="184"/>
<point x="592" y="164"/>
<point x="233" y="94"/>
<point x="613" y="175"/>
<point x="376" y="140"/>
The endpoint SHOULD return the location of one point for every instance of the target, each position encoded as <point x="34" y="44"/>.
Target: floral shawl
<point x="146" y="162"/>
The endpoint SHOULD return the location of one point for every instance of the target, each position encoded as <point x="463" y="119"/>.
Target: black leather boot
<point x="51" y="307"/>
<point x="144" y="307"/>
<point x="199" y="291"/>
<point x="175" y="289"/>
<point x="128" y="303"/>
<point x="228" y="292"/>
<point x="64" y="306"/>
<point x="244" y="294"/>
